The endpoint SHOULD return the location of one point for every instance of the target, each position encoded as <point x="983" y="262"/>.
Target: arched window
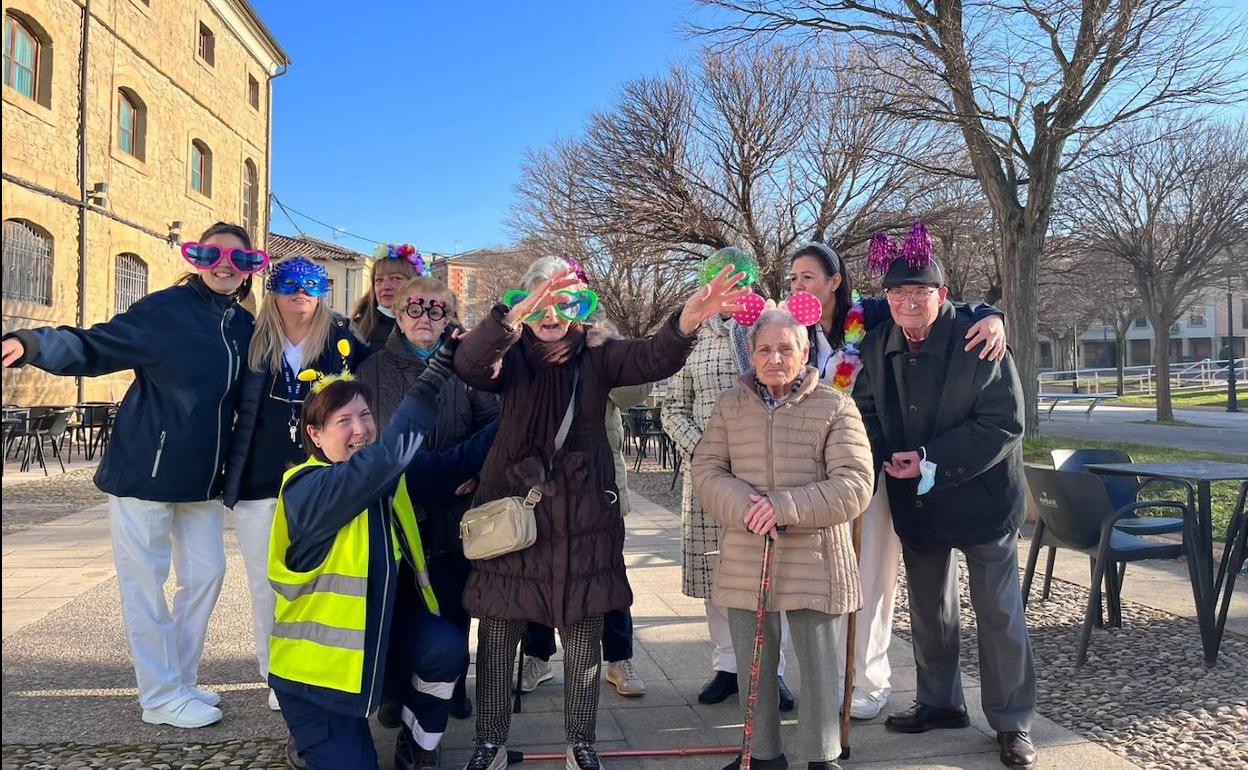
<point x="251" y="198"/>
<point x="27" y="58"/>
<point x="201" y="168"/>
<point x="130" y="278"/>
<point x="131" y="123"/>
<point x="27" y="262"/>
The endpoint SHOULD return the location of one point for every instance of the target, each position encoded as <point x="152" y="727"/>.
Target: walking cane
<point x="751" y="698"/>
<point x="851" y="631"/>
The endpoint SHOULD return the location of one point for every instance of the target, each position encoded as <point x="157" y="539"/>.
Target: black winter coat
<point x="462" y="411"/>
<point x="186" y="345"/>
<point x="967" y="413"/>
<point x="262" y="450"/>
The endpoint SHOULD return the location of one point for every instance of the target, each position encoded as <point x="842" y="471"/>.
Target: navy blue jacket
<point x="261" y="450"/>
<point x="321" y="500"/>
<point x="186" y="346"/>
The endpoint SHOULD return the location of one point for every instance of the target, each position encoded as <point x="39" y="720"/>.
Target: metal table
<point x="1207" y="587"/>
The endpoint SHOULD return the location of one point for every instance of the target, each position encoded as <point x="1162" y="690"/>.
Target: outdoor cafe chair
<point x="1076" y="513"/>
<point x="646" y="426"/>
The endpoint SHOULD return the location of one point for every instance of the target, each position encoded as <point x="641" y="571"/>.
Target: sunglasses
<point x="205" y="256"/>
<point x="312" y="286"/>
<point x="578" y="306"/>
<point x="416" y="308"/>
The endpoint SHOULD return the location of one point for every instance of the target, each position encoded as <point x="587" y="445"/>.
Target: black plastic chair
<point x="1076" y="513"/>
<point x="646" y="426"/>
<point x="55" y="431"/>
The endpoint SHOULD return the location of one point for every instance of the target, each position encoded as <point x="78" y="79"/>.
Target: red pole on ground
<point x="516" y="757"/>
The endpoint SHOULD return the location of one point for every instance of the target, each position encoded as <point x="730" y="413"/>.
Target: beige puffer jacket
<point x="811" y="457"/>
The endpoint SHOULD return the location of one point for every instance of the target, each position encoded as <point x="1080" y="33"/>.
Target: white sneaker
<point x="273" y="703"/>
<point x="535" y="672"/>
<point x="183" y="712"/>
<point x="865" y="705"/>
<point x="627" y="680"/>
<point x="204" y="696"/>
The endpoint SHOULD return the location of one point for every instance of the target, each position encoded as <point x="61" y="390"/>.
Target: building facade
<point x="112" y="159"/>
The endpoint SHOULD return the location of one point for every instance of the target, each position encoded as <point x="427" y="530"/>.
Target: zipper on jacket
<point x="385" y="594"/>
<point x="229" y="379"/>
<point x="160" y="448"/>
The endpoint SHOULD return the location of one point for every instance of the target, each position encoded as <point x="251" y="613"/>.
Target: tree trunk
<point x="1019" y="278"/>
<point x="1120" y="359"/>
<point x="1161" y="366"/>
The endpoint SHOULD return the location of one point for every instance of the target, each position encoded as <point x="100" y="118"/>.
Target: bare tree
<point x="1029" y="85"/>
<point x="1172" y="208"/>
<point x="760" y="150"/>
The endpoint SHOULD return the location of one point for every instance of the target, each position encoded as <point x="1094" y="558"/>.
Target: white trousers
<point x="723" y="658"/>
<point x="877" y="570"/>
<point x="253" y="521"/>
<point x="147" y="535"/>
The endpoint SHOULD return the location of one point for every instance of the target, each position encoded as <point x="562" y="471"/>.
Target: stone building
<point x="111" y="159"/>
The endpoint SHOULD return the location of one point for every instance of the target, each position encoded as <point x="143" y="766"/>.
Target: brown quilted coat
<point x="811" y="457"/>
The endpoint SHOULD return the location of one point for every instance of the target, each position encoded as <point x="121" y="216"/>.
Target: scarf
<point x="418" y="351"/>
<point x="541" y="354"/>
<point x="387" y="312"/>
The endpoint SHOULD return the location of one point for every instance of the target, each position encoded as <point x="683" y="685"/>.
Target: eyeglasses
<point x="915" y="295"/>
<point x="205" y="256"/>
<point x="415" y="308"/>
<point x="578" y="306"/>
<point x="313" y="287"/>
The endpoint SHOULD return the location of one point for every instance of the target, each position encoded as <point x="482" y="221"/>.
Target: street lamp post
<point x="1232" y="400"/>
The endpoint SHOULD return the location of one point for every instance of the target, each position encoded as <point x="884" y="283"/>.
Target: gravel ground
<point x="654" y="483"/>
<point x="32" y="501"/>
<point x="1144" y="693"/>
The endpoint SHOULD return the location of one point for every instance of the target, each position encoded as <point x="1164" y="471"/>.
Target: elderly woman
<point x="797" y="468"/>
<point x="535" y="354"/>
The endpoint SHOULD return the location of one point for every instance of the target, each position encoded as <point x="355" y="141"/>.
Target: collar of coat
<point x="810" y="381"/>
<point x="398" y="354"/>
<point x="937" y="339"/>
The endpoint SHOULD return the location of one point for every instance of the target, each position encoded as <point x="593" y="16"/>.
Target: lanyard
<point x="296" y="403"/>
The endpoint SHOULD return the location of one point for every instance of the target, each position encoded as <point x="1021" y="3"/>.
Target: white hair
<point x="543" y="269"/>
<point x="776" y="318"/>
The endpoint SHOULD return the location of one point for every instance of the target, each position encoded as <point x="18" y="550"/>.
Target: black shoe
<point x="293" y="760"/>
<point x="779" y="763"/>
<point x="719" y="688"/>
<point x="919" y="719"/>
<point x="486" y="757"/>
<point x="390" y="715"/>
<point x="787" y="701"/>
<point x="410" y="756"/>
<point x="1016" y="750"/>
<point x="461" y="705"/>
<point x="823" y="766"/>
<point x="583" y="756"/>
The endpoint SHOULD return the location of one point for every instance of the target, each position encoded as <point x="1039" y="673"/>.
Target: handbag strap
<point x="566" y="425"/>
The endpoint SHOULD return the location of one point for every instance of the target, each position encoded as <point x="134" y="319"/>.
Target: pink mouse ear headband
<point x="805" y="308"/>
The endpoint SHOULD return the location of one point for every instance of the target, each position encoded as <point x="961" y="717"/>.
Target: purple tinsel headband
<point x="576" y="267"/>
<point x="917" y="250"/>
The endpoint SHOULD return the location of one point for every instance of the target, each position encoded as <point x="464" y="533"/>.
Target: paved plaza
<point x="69" y="698"/>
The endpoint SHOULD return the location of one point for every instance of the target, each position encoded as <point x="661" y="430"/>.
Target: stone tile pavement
<point x="69" y="698"/>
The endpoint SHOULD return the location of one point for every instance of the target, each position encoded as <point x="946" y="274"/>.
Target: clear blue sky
<point x="411" y="123"/>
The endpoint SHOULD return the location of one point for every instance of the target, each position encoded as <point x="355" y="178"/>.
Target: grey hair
<point x="776" y="318"/>
<point x="543" y="269"/>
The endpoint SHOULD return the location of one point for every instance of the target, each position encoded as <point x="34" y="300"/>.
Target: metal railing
<point x="1189" y="377"/>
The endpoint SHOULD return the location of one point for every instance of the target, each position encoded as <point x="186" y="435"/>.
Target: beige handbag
<point x="509" y="524"/>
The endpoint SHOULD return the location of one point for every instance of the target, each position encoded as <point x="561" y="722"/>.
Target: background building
<point x="112" y="158"/>
<point x="347" y="268"/>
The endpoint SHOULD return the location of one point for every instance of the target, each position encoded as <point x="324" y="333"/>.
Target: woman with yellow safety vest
<point x="343" y="523"/>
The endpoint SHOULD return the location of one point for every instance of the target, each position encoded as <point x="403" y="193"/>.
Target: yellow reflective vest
<point x="319" y="624"/>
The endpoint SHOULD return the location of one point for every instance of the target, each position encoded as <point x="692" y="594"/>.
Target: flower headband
<point x="406" y="252"/>
<point x="884" y="250"/>
<point x="320" y="380"/>
<point x="291" y="275"/>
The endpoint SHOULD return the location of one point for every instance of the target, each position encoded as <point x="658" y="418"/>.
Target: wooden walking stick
<point x="851" y="631"/>
<point x="751" y="698"/>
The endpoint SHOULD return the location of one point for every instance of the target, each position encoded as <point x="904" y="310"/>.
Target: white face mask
<point x="927" y="473"/>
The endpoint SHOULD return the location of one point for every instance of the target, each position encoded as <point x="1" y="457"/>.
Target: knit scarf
<point x="541" y="354"/>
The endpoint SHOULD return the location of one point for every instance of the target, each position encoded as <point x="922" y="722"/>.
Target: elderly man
<point x="947" y="427"/>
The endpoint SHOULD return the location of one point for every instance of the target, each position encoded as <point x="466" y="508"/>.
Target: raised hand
<point x="13" y="350"/>
<point x="544" y="296"/>
<point x="720" y="295"/>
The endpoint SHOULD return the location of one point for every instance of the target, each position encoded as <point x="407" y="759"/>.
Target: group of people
<point x="350" y="449"/>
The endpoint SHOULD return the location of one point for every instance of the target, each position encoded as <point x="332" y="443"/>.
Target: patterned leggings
<point x="497" y="642"/>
